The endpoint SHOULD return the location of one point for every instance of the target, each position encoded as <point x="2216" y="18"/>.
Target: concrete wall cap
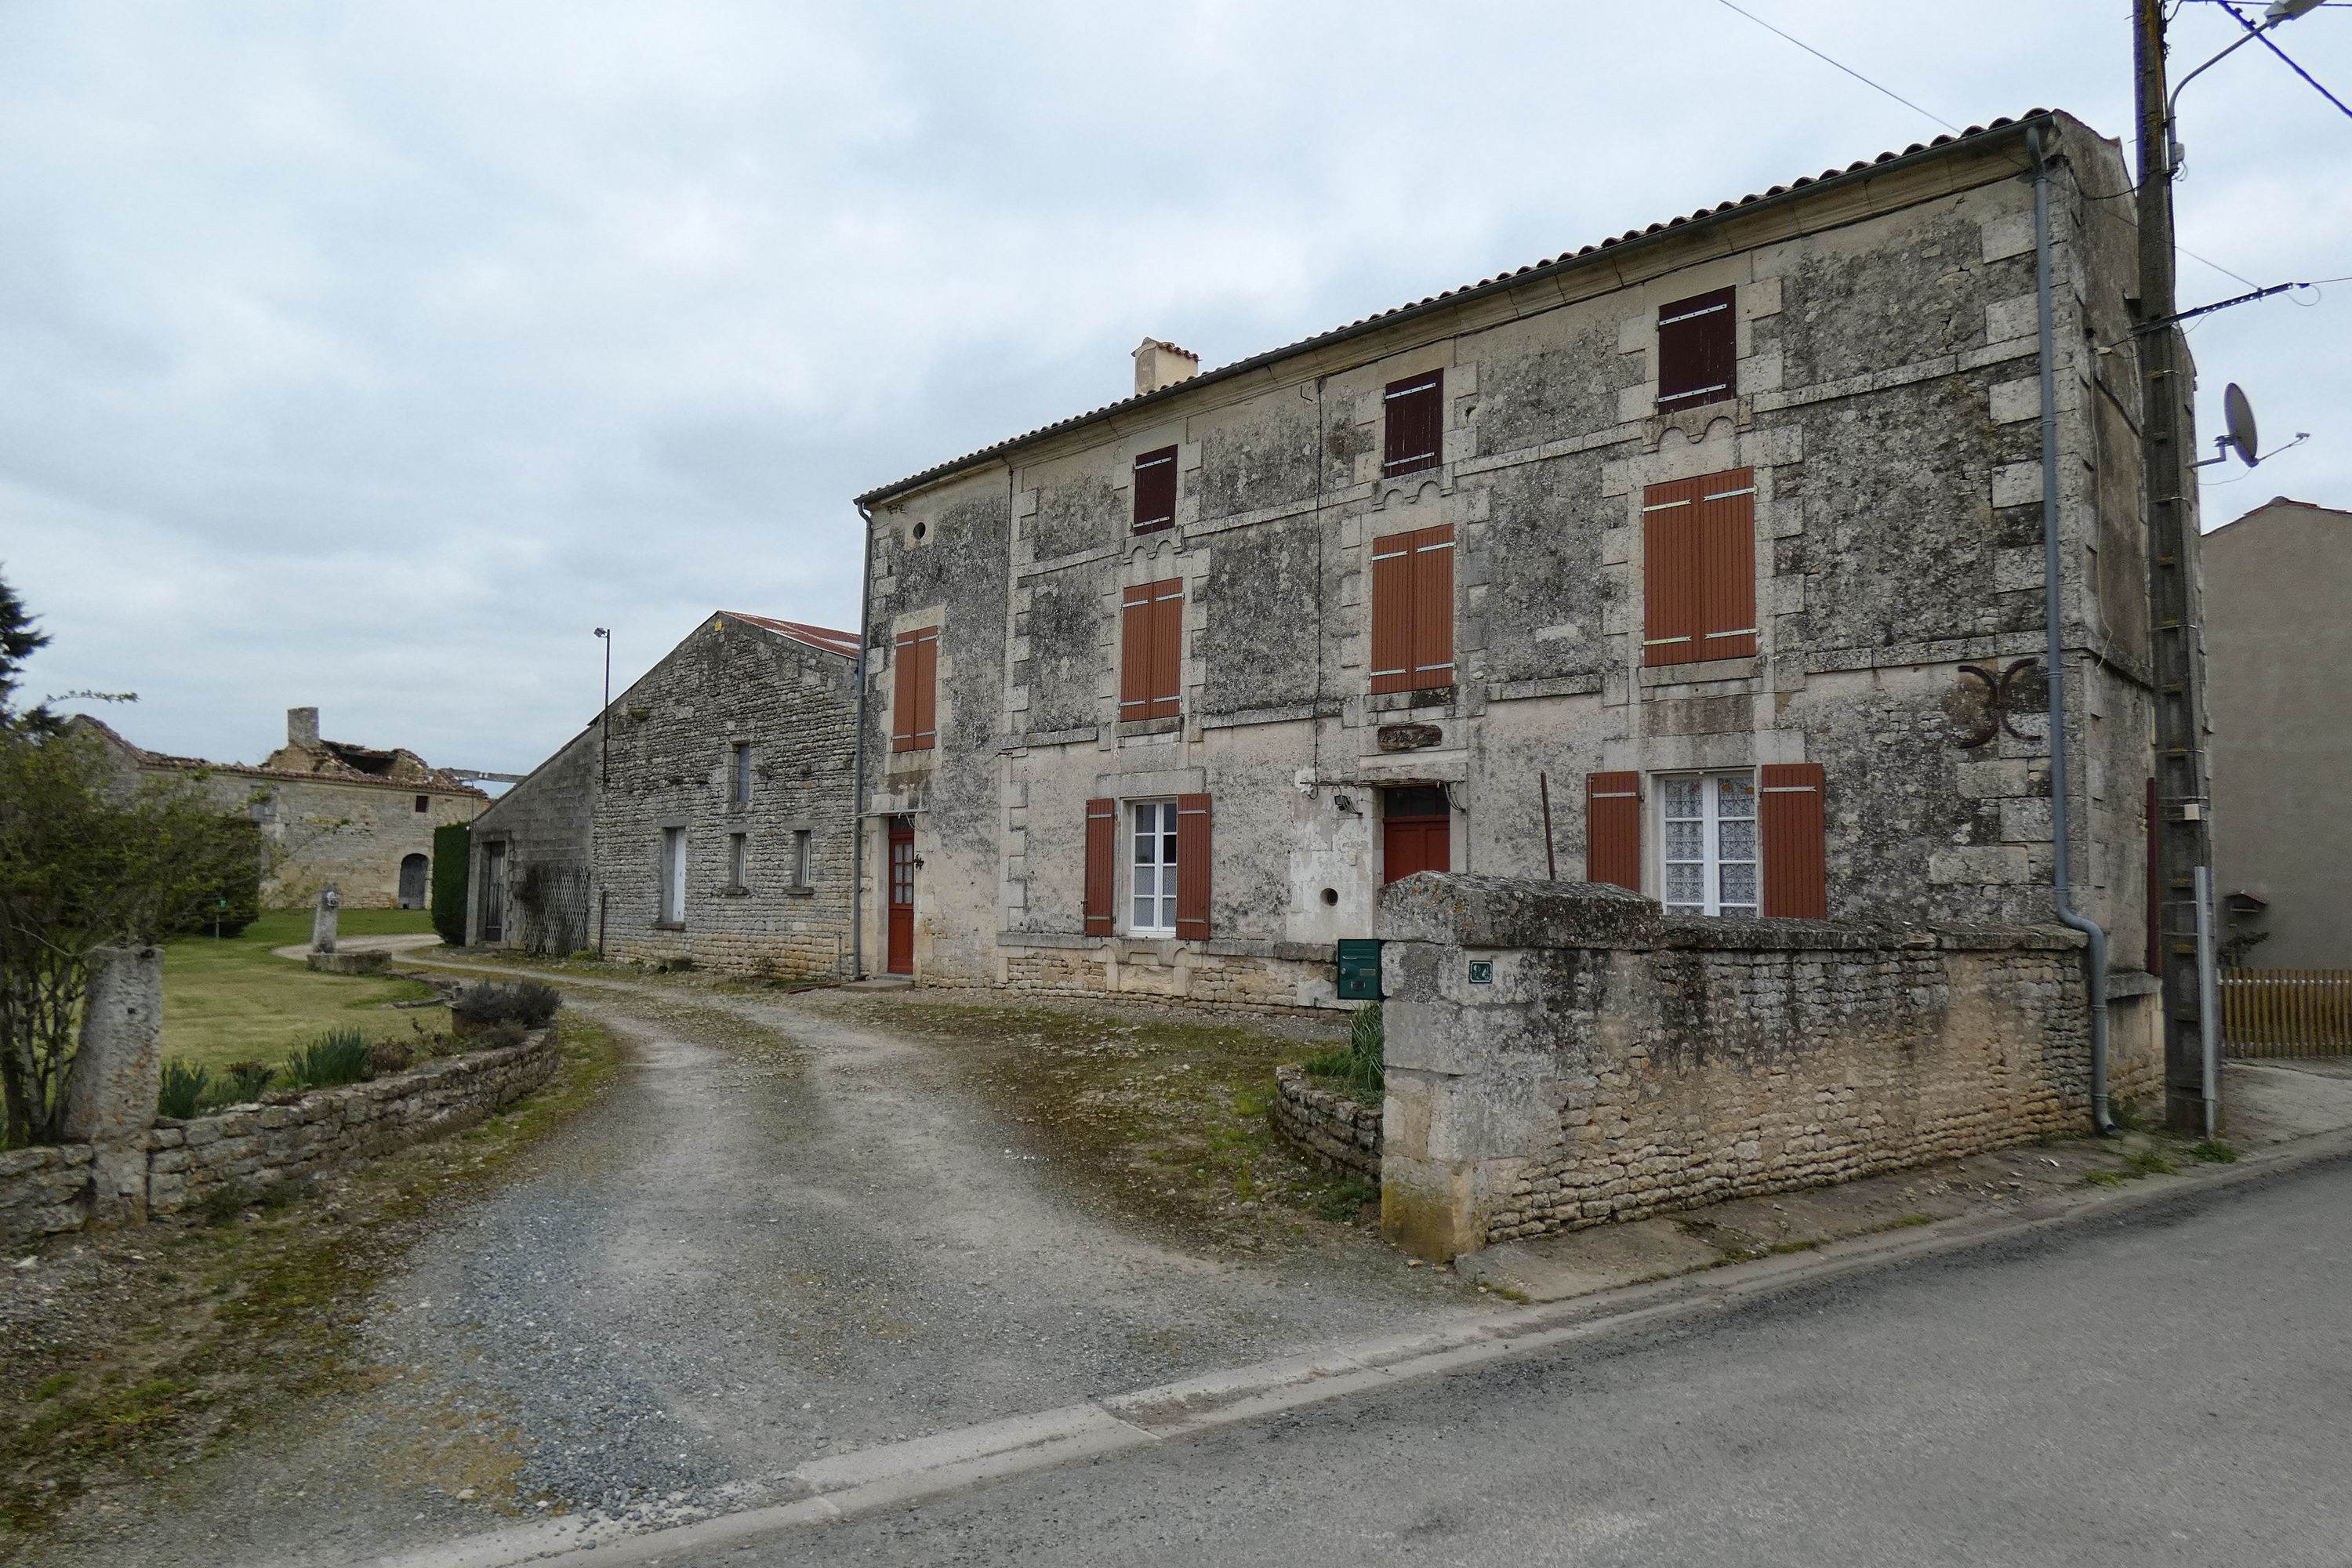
<point x="1465" y="911"/>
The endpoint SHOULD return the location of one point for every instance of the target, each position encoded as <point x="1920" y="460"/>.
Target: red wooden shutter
<point x="1151" y="650"/>
<point x="1414" y="423"/>
<point x="1392" y="613"/>
<point x="1135" y="653"/>
<point x="1726" y="510"/>
<point x="1155" y="489"/>
<point x="1796" y="872"/>
<point x="1102" y="865"/>
<point x="1670" y="573"/>
<point x="1612" y="829"/>
<point x="1193" y="868"/>
<point x="1698" y="350"/>
<point x="913" y="696"/>
<point x="1433" y="607"/>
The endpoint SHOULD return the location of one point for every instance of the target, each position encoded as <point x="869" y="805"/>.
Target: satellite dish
<point x="2239" y="415"/>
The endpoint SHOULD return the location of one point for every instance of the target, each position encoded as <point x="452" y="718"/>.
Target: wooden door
<point x="902" y="897"/>
<point x="1416" y="833"/>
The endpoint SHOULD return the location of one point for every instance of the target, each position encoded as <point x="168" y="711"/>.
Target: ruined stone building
<point x="705" y="816"/>
<point x="2278" y="645"/>
<point x="1706" y="561"/>
<point x="361" y="817"/>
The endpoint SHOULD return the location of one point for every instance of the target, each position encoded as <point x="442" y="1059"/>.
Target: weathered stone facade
<point x="1560" y="1055"/>
<point x="579" y="859"/>
<point x="48" y="1189"/>
<point x="1335" y="1128"/>
<point x="1887" y="408"/>
<point x="353" y="815"/>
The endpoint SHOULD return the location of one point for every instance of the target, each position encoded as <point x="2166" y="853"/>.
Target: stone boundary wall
<point x="1113" y="969"/>
<point x="1333" y="1127"/>
<point x="1561" y="1054"/>
<point x="46" y="1191"/>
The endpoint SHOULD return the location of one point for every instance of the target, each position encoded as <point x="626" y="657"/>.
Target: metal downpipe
<point x="858" y="767"/>
<point x="2054" y="659"/>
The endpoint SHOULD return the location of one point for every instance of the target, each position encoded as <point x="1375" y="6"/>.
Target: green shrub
<point x="240" y="1083"/>
<point x="453" y="850"/>
<point x="224" y="1202"/>
<point x="338" y="1057"/>
<point x="2214" y="1152"/>
<point x="498" y="1036"/>
<point x="530" y="1003"/>
<point x="386" y="1056"/>
<point x="183" y="1091"/>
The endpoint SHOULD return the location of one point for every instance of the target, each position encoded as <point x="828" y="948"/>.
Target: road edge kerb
<point x="893" y="1475"/>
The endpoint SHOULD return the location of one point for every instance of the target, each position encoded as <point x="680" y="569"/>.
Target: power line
<point x="2264" y="37"/>
<point x="1849" y="70"/>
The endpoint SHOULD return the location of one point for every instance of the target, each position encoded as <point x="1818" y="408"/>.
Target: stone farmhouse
<point x="1708" y="560"/>
<point x="2277" y="646"/>
<point x="704" y="817"/>
<point x="361" y="817"/>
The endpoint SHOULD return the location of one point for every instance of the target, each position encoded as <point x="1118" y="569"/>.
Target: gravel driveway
<point x="790" y="1231"/>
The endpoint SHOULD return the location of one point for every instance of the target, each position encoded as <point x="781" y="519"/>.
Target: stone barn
<point x="705" y="816"/>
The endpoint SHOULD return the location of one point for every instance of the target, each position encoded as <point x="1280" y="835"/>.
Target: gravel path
<point x="787" y="1233"/>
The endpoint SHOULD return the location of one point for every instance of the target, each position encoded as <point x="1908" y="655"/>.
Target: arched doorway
<point x="412" y="881"/>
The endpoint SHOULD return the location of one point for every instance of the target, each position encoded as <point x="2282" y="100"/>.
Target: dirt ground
<point x="797" y="1225"/>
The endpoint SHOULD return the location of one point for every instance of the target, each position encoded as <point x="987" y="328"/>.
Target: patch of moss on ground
<point x="203" y="1325"/>
<point x="1165" y="1118"/>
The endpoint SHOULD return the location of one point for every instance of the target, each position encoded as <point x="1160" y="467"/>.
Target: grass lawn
<point x="231" y="1001"/>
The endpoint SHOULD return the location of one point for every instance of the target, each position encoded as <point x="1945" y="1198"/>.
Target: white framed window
<point x="803" y="858"/>
<point x="1706" y="844"/>
<point x="673" y="876"/>
<point x="1153" y="866"/>
<point x="738" y="860"/>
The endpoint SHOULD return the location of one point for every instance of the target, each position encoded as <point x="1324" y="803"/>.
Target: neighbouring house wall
<point x="2278" y="649"/>
<point x="546" y="825"/>
<point x="1618" y="1063"/>
<point x="1889" y="409"/>
<point x="46" y="1191"/>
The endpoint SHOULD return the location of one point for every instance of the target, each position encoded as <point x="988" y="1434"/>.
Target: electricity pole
<point x="2180" y="841"/>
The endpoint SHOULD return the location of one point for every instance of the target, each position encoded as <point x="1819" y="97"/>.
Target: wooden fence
<point x="2286" y="1012"/>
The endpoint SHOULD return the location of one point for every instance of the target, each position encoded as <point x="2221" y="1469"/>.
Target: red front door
<point x="1416" y="833"/>
<point x="902" y="897"/>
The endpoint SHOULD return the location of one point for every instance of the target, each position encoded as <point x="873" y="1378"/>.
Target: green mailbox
<point x="1359" y="969"/>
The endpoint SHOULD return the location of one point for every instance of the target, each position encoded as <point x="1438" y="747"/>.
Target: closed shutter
<point x="1796" y="856"/>
<point x="1612" y="829"/>
<point x="1433" y="608"/>
<point x="1155" y="489"/>
<point x="1698" y="349"/>
<point x="914" y="693"/>
<point x="1726" y="516"/>
<point x="1670" y="573"/>
<point x="1151" y="650"/>
<point x="1413" y="423"/>
<point x="1413" y="610"/>
<point x="1102" y="865"/>
<point x="918" y="663"/>
<point x="1193" y="868"/>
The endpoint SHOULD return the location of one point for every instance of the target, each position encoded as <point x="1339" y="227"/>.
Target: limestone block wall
<point x="1334" y="1127"/>
<point x="354" y="833"/>
<point x="1560" y="1054"/>
<point x="44" y="1191"/>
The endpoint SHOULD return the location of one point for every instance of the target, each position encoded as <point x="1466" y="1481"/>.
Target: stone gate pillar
<point x="109" y="1100"/>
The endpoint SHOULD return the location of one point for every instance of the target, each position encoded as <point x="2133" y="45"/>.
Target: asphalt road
<point x="2167" y="1390"/>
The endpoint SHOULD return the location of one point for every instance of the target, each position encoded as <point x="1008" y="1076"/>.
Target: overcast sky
<point x="369" y="355"/>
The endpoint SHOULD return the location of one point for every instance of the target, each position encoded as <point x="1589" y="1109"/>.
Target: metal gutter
<point x="857" y="767"/>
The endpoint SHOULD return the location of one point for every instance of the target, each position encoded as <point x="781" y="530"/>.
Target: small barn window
<point x="738" y="773"/>
<point x="804" y="869"/>
<point x="424" y="803"/>
<point x="1155" y="489"/>
<point x="1415" y="423"/>
<point x="739" y="861"/>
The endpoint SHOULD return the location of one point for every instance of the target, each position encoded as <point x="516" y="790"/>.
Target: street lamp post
<point x="2181" y="831"/>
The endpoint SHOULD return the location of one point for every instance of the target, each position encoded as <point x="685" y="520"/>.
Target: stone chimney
<point x="1159" y="364"/>
<point x="302" y="728"/>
